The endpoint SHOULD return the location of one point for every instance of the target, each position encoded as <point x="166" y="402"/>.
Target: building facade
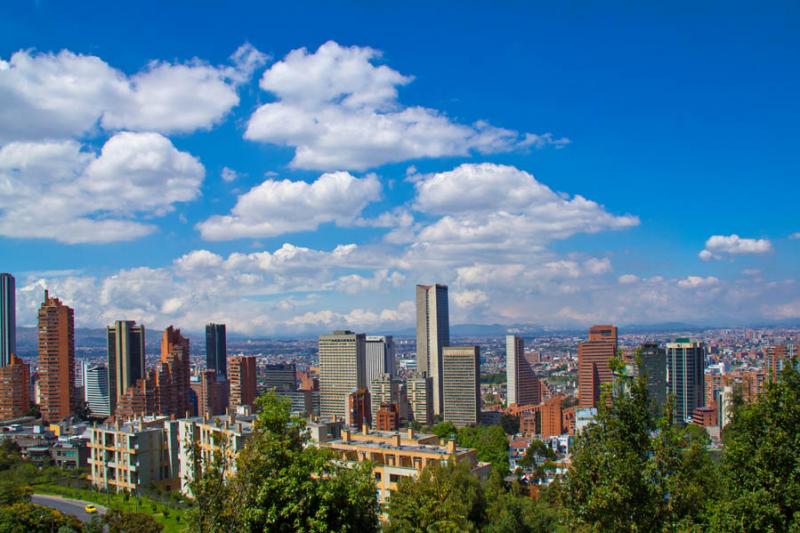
<point x="686" y="363"/>
<point x="216" y="349"/>
<point x="56" y="359"/>
<point x="172" y="374"/>
<point x="8" y="318"/>
<point x="433" y="333"/>
<point x="342" y="368"/>
<point x="521" y="381"/>
<point x="461" y="384"/>
<point x="96" y="378"/>
<point x="280" y="377"/>
<point x="242" y="380"/>
<point x="419" y="394"/>
<point x="126" y="358"/>
<point x="380" y="357"/>
<point x="593" y="364"/>
<point x="654" y="368"/>
<point x="15" y="382"/>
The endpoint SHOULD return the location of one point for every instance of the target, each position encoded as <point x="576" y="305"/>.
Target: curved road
<point x="67" y="506"/>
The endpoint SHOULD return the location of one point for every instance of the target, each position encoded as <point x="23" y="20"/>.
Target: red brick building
<point x="15" y="382"/>
<point x="242" y="378"/>
<point x="593" y="363"/>
<point x="56" y="360"/>
<point x="388" y="417"/>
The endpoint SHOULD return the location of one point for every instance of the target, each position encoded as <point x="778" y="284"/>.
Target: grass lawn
<point x="172" y="518"/>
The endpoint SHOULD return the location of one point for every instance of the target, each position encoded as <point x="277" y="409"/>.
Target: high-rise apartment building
<point x="380" y="357"/>
<point x="777" y="357"/>
<point x="593" y="363"/>
<point x="359" y="409"/>
<point x="384" y="389"/>
<point x="461" y="384"/>
<point x="654" y="367"/>
<point x="419" y="394"/>
<point x="686" y="363"/>
<point x="15" y="382"/>
<point x="216" y="349"/>
<point x="210" y="393"/>
<point x="242" y="380"/>
<point x="126" y="358"/>
<point x="522" y="384"/>
<point x="433" y="333"/>
<point x="342" y="368"/>
<point x="97" y="391"/>
<point x="56" y="359"/>
<point x="8" y="321"/>
<point x="173" y="374"/>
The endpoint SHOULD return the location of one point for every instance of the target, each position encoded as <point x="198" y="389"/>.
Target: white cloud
<point x="228" y="174"/>
<point x="277" y="207"/>
<point x="65" y="95"/>
<point x="57" y="190"/>
<point x="718" y="246"/>
<point x="340" y="110"/>
<point x="627" y="279"/>
<point x="469" y="298"/>
<point x="795" y="235"/>
<point x="694" y="282"/>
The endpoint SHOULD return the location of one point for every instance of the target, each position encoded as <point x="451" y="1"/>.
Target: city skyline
<point x="545" y="174"/>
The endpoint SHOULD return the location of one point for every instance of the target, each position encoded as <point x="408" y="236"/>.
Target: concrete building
<point x="15" y="382"/>
<point x="359" y="408"/>
<point x="380" y="358"/>
<point x="433" y="333"/>
<point x="242" y="380"/>
<point x="172" y="374"/>
<point x="521" y="381"/>
<point x="461" y="384"/>
<point x="8" y="319"/>
<point x="56" y="359"/>
<point x="686" y="364"/>
<point x="342" y="368"/>
<point x="216" y="349"/>
<point x="126" y="358"/>
<point x="386" y="389"/>
<point x="224" y="434"/>
<point x="419" y="394"/>
<point x="395" y="455"/>
<point x="210" y="392"/>
<point x="97" y="391"/>
<point x="593" y="364"/>
<point x="654" y="367"/>
<point x="280" y="377"/>
<point x="133" y="455"/>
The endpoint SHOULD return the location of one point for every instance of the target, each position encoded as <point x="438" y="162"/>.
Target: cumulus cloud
<point x="65" y="95"/>
<point x="277" y="207"/>
<point x="718" y="246"/>
<point x="627" y="279"/>
<point x="228" y="174"/>
<point x="499" y="213"/>
<point x="58" y="190"/>
<point x="339" y="109"/>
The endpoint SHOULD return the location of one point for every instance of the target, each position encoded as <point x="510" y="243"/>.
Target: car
<point x="91" y="509"/>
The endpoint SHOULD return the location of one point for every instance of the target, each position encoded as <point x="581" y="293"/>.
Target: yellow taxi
<point x="91" y="509"/>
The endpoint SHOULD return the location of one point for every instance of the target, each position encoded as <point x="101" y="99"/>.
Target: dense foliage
<point x="280" y="484"/>
<point x="489" y="441"/>
<point x="448" y="498"/>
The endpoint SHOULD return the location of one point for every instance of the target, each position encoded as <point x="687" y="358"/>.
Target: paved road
<point x="67" y="506"/>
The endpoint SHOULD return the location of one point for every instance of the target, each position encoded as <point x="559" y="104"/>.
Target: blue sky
<point x="558" y="165"/>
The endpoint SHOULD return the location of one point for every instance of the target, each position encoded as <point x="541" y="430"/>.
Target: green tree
<point x="761" y="462"/>
<point x="629" y="474"/>
<point x="445" y="498"/>
<point x="123" y="522"/>
<point x="490" y="442"/>
<point x="32" y="518"/>
<point x="281" y="484"/>
<point x="509" y="423"/>
<point x="444" y="430"/>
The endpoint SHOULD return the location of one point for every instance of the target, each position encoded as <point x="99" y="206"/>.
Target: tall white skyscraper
<point x="97" y="391"/>
<point x="342" y="368"/>
<point x="521" y="381"/>
<point x="380" y="358"/>
<point x="433" y="334"/>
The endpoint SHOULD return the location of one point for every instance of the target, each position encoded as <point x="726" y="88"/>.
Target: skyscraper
<point x="97" y="391"/>
<point x="56" y="359"/>
<point x="461" y="384"/>
<point x="419" y="393"/>
<point x="522" y="384"/>
<point x="383" y="389"/>
<point x="216" y="349"/>
<point x="593" y="363"/>
<point x="172" y="378"/>
<point x="8" y="322"/>
<point x="433" y="333"/>
<point x="242" y="377"/>
<point x="342" y="368"/>
<point x="654" y="367"/>
<point x="125" y="358"/>
<point x="380" y="358"/>
<point x="281" y="377"/>
<point x="686" y="363"/>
